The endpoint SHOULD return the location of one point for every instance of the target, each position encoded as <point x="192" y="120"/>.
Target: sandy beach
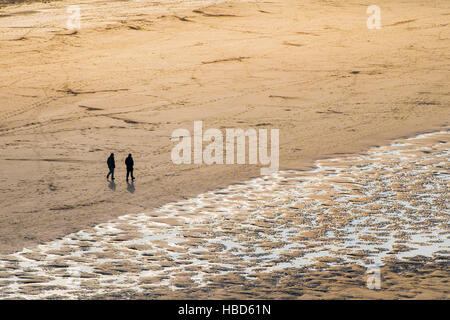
<point x="137" y="70"/>
<point x="316" y="234"/>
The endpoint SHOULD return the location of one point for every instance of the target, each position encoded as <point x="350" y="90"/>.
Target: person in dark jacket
<point x="130" y="164"/>
<point x="111" y="165"/>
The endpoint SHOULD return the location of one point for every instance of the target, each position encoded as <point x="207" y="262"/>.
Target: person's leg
<point x="132" y="176"/>
<point x="107" y="176"/>
<point x="128" y="173"/>
<point x="112" y="173"/>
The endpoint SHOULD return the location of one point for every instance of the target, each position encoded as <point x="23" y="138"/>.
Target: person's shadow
<point x="130" y="186"/>
<point x="112" y="185"/>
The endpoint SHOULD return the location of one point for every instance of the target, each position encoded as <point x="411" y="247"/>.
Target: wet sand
<point x="294" y="234"/>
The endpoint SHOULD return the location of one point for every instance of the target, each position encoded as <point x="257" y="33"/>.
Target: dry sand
<point x="137" y="70"/>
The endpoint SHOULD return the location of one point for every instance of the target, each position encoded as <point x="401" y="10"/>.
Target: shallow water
<point x="389" y="202"/>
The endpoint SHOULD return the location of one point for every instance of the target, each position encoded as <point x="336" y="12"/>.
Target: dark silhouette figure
<point x="130" y="164"/>
<point x="130" y="186"/>
<point x="111" y="165"/>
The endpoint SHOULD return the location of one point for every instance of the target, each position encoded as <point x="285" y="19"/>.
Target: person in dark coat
<point x="111" y="165"/>
<point x="130" y="164"/>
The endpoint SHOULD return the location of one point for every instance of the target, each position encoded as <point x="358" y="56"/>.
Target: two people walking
<point x="129" y="162"/>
